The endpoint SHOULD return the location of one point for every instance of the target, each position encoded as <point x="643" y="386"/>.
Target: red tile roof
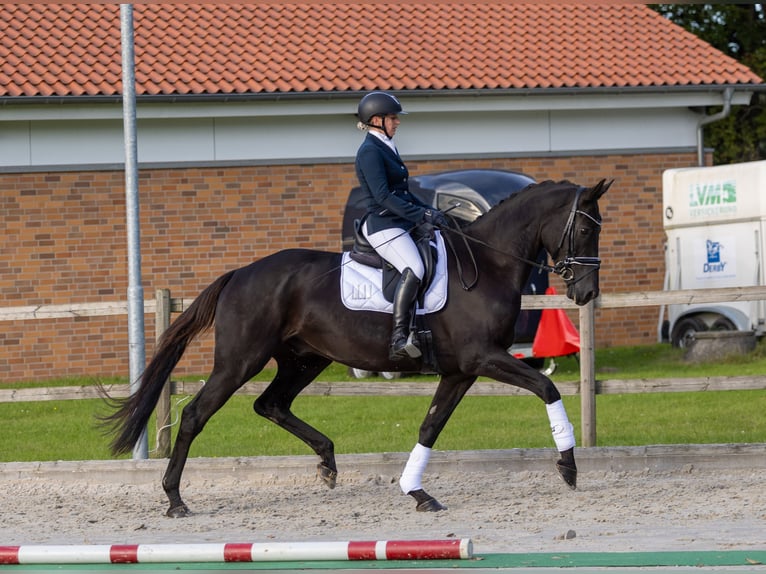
<point x="74" y="49"/>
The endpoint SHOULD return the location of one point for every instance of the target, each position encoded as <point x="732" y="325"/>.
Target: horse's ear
<point x="600" y="189"/>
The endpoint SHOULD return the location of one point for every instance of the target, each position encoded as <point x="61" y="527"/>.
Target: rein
<point x="563" y="268"/>
<point x="458" y="263"/>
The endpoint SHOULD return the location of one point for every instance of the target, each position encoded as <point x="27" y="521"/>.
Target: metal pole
<point x="136" y="344"/>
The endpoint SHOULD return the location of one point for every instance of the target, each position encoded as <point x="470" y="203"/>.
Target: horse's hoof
<point x="328" y="475"/>
<point x="426" y="502"/>
<point x="179" y="511"/>
<point x="568" y="473"/>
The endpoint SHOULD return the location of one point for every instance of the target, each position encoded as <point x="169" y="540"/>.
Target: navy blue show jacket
<point x="384" y="181"/>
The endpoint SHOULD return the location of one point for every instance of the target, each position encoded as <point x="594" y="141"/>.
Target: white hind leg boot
<point x="413" y="470"/>
<point x="562" y="429"/>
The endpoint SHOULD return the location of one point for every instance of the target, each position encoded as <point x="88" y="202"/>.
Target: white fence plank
<point x="71" y="310"/>
<point x="650" y="298"/>
<point x="604" y="301"/>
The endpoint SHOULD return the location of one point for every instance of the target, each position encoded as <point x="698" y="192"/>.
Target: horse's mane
<point x="525" y="193"/>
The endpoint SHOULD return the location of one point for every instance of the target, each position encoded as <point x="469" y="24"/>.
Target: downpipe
<point x="728" y="94"/>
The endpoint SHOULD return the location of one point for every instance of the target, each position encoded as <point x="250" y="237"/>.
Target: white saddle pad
<point x="360" y="285"/>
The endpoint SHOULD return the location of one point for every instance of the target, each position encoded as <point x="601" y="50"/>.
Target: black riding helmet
<point x="377" y="104"/>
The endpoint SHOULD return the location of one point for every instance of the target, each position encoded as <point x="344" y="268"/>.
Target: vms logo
<point x="713" y="198"/>
<point x="714" y="263"/>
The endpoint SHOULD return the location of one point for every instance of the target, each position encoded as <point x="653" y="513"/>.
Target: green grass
<point x="66" y="430"/>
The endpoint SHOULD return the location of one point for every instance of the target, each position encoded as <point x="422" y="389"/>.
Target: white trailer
<point x="715" y="224"/>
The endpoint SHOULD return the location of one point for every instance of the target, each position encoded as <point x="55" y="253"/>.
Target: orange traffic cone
<point x="556" y="335"/>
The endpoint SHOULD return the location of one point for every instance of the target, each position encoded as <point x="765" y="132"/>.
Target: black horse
<point x="287" y="306"/>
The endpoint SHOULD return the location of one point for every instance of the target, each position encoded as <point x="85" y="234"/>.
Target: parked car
<point x="466" y="194"/>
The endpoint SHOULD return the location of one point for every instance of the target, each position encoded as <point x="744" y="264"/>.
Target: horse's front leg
<point x="563" y="436"/>
<point x="450" y="391"/>
<point x="507" y="369"/>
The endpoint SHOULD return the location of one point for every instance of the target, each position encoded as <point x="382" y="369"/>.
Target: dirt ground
<point x="500" y="511"/>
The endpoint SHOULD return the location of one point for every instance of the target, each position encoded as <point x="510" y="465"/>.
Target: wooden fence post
<point x="587" y="375"/>
<point x="162" y="322"/>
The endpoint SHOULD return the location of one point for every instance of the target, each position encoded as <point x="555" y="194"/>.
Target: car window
<point x="458" y="207"/>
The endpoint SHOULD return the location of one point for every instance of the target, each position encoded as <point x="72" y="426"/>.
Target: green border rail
<point x="697" y="559"/>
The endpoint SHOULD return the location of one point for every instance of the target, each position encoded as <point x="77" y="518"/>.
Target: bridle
<point x="565" y="267"/>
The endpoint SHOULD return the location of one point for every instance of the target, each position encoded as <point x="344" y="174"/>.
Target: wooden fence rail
<point x="588" y="387"/>
<point x="604" y="301"/>
<point x="407" y="388"/>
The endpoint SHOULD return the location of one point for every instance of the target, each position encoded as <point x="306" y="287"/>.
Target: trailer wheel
<point x="685" y="329"/>
<point x="723" y="324"/>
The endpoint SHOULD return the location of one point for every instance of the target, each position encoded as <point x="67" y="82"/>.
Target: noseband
<point x="565" y="267"/>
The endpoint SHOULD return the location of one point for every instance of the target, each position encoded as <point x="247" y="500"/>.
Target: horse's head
<point x="574" y="246"/>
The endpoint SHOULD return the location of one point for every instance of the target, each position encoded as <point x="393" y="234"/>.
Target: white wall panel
<point x="266" y="138"/>
<point x="14" y="143"/>
<point x="76" y="142"/>
<point x="328" y="133"/>
<point x="478" y="133"/>
<point x="623" y="129"/>
<point x="176" y="140"/>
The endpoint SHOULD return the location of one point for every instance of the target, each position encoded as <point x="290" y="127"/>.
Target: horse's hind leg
<point x="217" y="390"/>
<point x="294" y="373"/>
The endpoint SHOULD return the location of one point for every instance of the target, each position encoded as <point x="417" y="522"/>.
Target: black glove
<point x="435" y="218"/>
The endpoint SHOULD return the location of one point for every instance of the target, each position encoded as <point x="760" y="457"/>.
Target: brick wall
<point x="65" y="242"/>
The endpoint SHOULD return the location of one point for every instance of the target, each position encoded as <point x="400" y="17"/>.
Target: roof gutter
<point x="333" y="95"/>
<point x="728" y="94"/>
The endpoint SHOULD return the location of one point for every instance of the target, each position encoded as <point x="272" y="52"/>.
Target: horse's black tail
<point x="133" y="412"/>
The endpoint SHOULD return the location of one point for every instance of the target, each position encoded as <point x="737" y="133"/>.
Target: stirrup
<point x="411" y="348"/>
<point x="408" y="349"/>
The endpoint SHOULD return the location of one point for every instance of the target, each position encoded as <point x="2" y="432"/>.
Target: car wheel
<point x="360" y="373"/>
<point x="551" y="368"/>
<point x="685" y="329"/>
<point x="390" y="375"/>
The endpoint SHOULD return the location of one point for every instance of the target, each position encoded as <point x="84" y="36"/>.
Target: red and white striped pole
<point x="457" y="549"/>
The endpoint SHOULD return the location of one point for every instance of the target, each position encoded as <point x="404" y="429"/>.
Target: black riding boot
<point x="404" y="300"/>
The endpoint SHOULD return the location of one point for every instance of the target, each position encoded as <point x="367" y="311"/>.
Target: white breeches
<point x="397" y="247"/>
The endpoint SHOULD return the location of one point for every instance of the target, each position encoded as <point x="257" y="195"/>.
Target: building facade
<point x="230" y="174"/>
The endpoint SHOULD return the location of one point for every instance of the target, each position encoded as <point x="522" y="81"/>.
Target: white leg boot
<point x="413" y="470"/>
<point x="561" y="428"/>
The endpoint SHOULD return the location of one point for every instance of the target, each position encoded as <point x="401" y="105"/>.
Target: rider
<point x="392" y="210"/>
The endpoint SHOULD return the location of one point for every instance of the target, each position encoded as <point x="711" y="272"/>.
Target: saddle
<point x="364" y="253"/>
